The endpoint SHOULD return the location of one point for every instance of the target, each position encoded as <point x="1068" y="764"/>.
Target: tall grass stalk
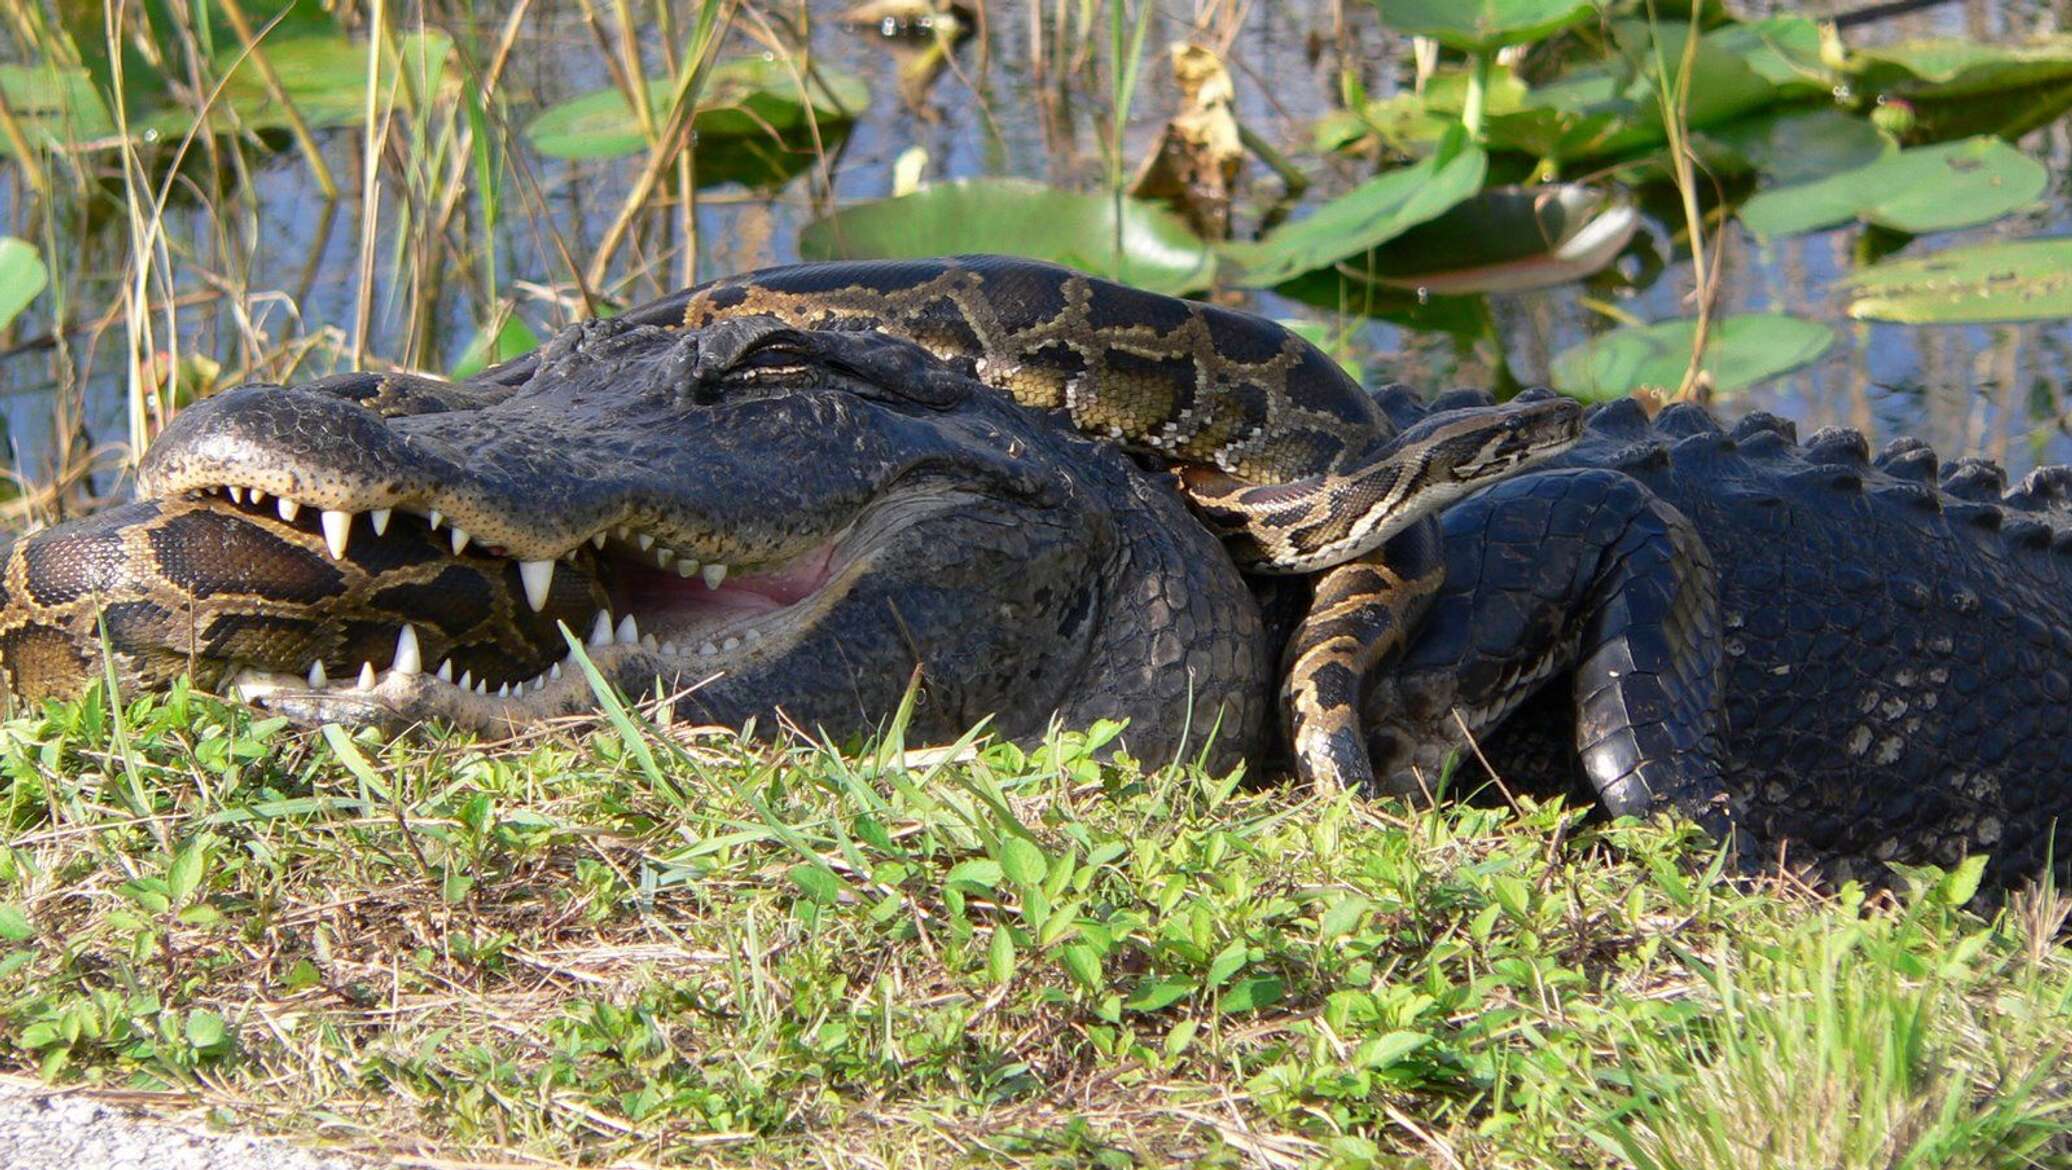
<point x="1674" y="98"/>
<point x="1125" y="63"/>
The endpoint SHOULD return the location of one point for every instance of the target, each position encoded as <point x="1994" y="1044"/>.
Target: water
<point x="1997" y="391"/>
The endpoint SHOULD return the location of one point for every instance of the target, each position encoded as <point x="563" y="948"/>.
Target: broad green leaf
<point x="1000" y="955"/>
<point x="205" y="1030"/>
<point x="324" y="77"/>
<point x="1083" y="963"/>
<point x="1739" y="351"/>
<point x="2027" y="280"/>
<point x="1253" y="993"/>
<point x="980" y="873"/>
<point x="1159" y="992"/>
<point x="1022" y="861"/>
<point x="484" y="350"/>
<point x="1483" y="26"/>
<point x="22" y="277"/>
<point x="56" y="106"/>
<point x="1924" y="189"/>
<point x="1018" y="217"/>
<point x="817" y="882"/>
<point x="749" y="97"/>
<point x="1506" y="239"/>
<point x="1795" y="145"/>
<point x="14" y="923"/>
<point x="1371" y="214"/>
<point x="1960" y="67"/>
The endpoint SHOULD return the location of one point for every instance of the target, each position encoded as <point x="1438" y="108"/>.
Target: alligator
<point x="1866" y="659"/>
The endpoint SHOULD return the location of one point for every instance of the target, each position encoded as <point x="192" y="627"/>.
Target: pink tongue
<point x="747" y="593"/>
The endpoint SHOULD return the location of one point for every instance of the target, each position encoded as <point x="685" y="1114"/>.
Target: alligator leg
<point x="1364" y="611"/>
<point x="1583" y="575"/>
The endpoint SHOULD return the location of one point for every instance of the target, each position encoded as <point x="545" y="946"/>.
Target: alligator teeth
<point x="258" y="497"/>
<point x="708" y="650"/>
<point x="647" y="642"/>
<point x="754" y="635"/>
<point x="601" y="633"/>
<point x="379" y="517"/>
<point x="467" y="680"/>
<point x="366" y="680"/>
<point x="337" y="526"/>
<point x="538" y="577"/>
<point x="645" y="541"/>
<point x="445" y="670"/>
<point x="714" y="574"/>
<point x="671" y="649"/>
<point x="434" y="519"/>
<point x="316" y="675"/>
<point x="237" y="494"/>
<point x="628" y="631"/>
<point x="460" y="539"/>
<point x="554" y="671"/>
<point x="288" y="509"/>
<point x="503" y="691"/>
<point x="664" y="555"/>
<point x="597" y="541"/>
<point x="482" y="688"/>
<point x="687" y="568"/>
<point x="408" y="660"/>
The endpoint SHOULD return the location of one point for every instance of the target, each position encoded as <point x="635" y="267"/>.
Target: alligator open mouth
<point x="672" y="610"/>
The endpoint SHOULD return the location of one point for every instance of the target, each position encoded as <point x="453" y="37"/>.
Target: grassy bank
<point x="631" y="944"/>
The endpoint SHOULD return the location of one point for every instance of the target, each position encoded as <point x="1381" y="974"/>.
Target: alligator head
<point x="754" y="519"/>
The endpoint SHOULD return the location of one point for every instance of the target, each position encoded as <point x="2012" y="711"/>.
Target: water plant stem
<point x="1471" y="110"/>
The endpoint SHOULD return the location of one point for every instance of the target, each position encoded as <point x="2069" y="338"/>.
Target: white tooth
<point x="538" y="577"/>
<point x="316" y="676"/>
<point x="337" y="526"/>
<point x="554" y="671"/>
<point x="731" y="644"/>
<point x="540" y="683"/>
<point x="569" y="556"/>
<point x="671" y="648"/>
<point x="434" y="519"/>
<point x="687" y="568"/>
<point x="237" y="494"/>
<point x="754" y="635"/>
<point x="258" y="497"/>
<point x="467" y="680"/>
<point x="628" y="631"/>
<point x="645" y="541"/>
<point x="366" y="682"/>
<point x="379" y="517"/>
<point x="647" y="641"/>
<point x="597" y="541"/>
<point x="445" y="670"/>
<point x="407" y="660"/>
<point x="482" y="688"/>
<point x="714" y="574"/>
<point x="708" y="650"/>
<point x="503" y="690"/>
<point x="664" y="555"/>
<point x="601" y="633"/>
<point x="460" y="540"/>
<point x="288" y="509"/>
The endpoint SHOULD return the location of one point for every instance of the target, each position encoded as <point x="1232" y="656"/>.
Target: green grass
<point x="631" y="944"/>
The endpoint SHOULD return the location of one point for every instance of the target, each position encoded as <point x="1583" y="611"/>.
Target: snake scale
<point x="1275" y="447"/>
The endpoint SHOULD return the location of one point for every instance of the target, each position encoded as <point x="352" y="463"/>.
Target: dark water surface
<point x="1998" y="391"/>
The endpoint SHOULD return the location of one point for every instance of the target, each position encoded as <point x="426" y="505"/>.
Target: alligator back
<point x="1893" y="636"/>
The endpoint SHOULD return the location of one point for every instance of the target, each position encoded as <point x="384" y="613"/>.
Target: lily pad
<point x="22" y="276"/>
<point x="1923" y="189"/>
<point x="56" y="107"/>
<point x="513" y="339"/>
<point x="1484" y="26"/>
<point x="1371" y="214"/>
<point x="749" y="97"/>
<point x="2028" y="280"/>
<point x="1948" y="68"/>
<point x="1739" y="352"/>
<point x="1795" y="145"/>
<point x="325" y="78"/>
<point x="1019" y="217"/>
<point x="1507" y="239"/>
